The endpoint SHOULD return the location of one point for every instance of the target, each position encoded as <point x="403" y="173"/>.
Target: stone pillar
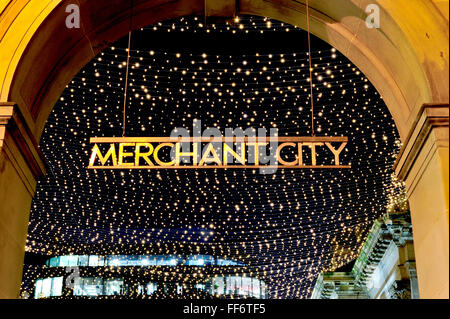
<point x="413" y="280"/>
<point x="21" y="163"/>
<point x="423" y="165"/>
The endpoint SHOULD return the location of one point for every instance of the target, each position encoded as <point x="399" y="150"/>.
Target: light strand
<point x="127" y="71"/>
<point x="310" y="69"/>
<point x="126" y="86"/>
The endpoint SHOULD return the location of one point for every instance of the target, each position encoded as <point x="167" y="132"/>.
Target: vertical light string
<point x="126" y="74"/>
<point x="310" y="69"/>
<point x="126" y="86"/>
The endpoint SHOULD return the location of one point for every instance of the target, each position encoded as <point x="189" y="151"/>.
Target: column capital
<point x="431" y="121"/>
<point x="20" y="146"/>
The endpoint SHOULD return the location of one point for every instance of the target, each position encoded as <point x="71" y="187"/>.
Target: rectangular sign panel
<point x="216" y="152"/>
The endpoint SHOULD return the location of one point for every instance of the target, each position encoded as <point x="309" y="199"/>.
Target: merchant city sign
<point x="238" y="149"/>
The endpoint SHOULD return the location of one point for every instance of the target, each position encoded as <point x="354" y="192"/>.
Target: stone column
<point x="21" y="164"/>
<point x="423" y="165"/>
<point x="411" y="266"/>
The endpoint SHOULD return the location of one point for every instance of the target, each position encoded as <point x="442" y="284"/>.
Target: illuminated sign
<point x="216" y="152"/>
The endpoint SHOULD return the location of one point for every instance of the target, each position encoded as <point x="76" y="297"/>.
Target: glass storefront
<point x="96" y="286"/>
<point x="91" y="286"/>
<point x="48" y="287"/>
<point x="138" y="260"/>
<point x="238" y="285"/>
<point x="200" y="260"/>
<point x="113" y="287"/>
<point x="151" y="288"/>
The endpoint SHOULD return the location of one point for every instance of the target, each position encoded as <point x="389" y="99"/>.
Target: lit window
<point x="93" y="261"/>
<point x="83" y="261"/>
<point x="151" y="287"/>
<point x="88" y="287"/>
<point x="54" y="262"/>
<point x="38" y="289"/>
<point x="113" y="287"/>
<point x="72" y="261"/>
<point x="246" y="286"/>
<point x="179" y="289"/>
<point x="63" y="261"/>
<point x="200" y="286"/>
<point x="48" y="287"/>
<point x="218" y="286"/>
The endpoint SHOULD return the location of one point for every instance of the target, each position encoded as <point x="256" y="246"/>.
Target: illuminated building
<point x="385" y="267"/>
<point x="143" y="276"/>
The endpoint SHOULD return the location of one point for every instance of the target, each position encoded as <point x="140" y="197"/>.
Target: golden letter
<point x="206" y="159"/>
<point x="123" y="154"/>
<point x="300" y="154"/>
<point x="143" y="155"/>
<point x="229" y="150"/>
<point x="96" y="152"/>
<point x="155" y="154"/>
<point x="313" y="151"/>
<point x="336" y="152"/>
<point x="256" y="145"/>
<point x="279" y="156"/>
<point x="179" y="154"/>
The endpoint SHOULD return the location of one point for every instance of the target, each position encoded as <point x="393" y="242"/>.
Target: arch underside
<point x="47" y="55"/>
<point x="406" y="59"/>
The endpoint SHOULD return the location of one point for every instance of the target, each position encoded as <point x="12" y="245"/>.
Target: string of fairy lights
<point x="288" y="226"/>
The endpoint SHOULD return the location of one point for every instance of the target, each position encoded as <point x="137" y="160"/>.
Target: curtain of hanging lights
<point x="288" y="226"/>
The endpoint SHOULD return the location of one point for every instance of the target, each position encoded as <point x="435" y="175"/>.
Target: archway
<point x="405" y="59"/>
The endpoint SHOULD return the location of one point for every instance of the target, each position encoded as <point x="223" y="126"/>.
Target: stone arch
<point x="43" y="56"/>
<point x="406" y="60"/>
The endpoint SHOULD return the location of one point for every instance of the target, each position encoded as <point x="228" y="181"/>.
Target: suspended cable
<point x="126" y="85"/>
<point x="126" y="74"/>
<point x="310" y="69"/>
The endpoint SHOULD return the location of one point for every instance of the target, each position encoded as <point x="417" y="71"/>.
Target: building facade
<point x="141" y="276"/>
<point x="385" y="267"/>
